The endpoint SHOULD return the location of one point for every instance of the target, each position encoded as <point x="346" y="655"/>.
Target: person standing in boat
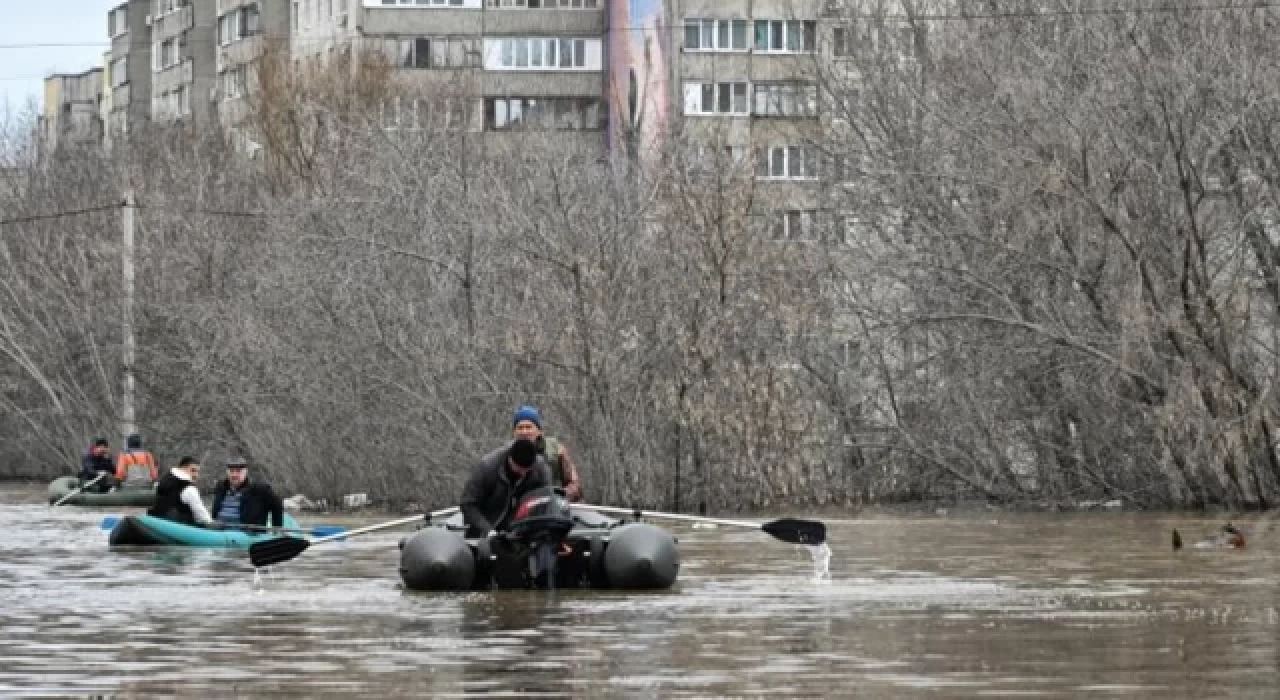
<point x="177" y="497"/>
<point x="237" y="500"/>
<point x="97" y="462"/>
<point x="135" y="467"/>
<point x="527" y="424"/>
<point x="498" y="483"/>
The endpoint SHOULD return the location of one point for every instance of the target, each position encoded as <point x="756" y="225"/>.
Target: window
<point x="787" y="163"/>
<point x="118" y="21"/>
<point x="785" y="36"/>
<point x="432" y="52"/>
<point x="542" y="54"/>
<point x="234" y="84"/>
<point x="715" y="35"/>
<point x="715" y="98"/>
<point x="786" y="100"/>
<point x="294" y="23"/>
<point x="119" y="71"/>
<point x="165" y="54"/>
<point x="795" y="225"/>
<point x="842" y="42"/>
<point x="544" y="113"/>
<point x="544" y="4"/>
<point x="410" y="114"/>
<point x="415" y="53"/>
<point x="425" y="3"/>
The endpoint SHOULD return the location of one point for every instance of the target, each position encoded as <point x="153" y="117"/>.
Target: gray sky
<point x="27" y="22"/>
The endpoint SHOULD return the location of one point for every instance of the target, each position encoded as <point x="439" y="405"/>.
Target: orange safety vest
<point x="136" y="467"/>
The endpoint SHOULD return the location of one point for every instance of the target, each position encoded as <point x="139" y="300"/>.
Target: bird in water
<point x="1230" y="538"/>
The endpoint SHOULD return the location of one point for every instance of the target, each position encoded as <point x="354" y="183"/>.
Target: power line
<point x="59" y="215"/>
<point x="108" y="207"/>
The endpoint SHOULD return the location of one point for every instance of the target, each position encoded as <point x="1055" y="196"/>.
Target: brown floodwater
<point x="1068" y="606"/>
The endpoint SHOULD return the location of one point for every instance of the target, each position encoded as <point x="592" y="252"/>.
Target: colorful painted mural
<point x="639" y="47"/>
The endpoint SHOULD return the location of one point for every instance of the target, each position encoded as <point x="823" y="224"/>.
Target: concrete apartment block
<point x="183" y="39"/>
<point x="127" y="77"/>
<point x="72" y="110"/>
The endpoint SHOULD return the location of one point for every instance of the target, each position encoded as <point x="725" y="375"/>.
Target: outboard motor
<point x="538" y="526"/>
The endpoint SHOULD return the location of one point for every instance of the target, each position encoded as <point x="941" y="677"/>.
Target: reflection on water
<point x="1051" y="606"/>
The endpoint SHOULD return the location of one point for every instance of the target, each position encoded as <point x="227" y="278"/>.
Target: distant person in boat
<point x="498" y="483"/>
<point x="135" y="467"/>
<point x="97" y="462"/>
<point x="177" y="497"/>
<point x="527" y="424"/>
<point x="238" y="500"/>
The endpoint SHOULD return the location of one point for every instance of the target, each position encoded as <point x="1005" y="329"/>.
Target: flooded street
<point x="1091" y="605"/>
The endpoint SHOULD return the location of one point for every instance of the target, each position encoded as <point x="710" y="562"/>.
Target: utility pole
<point x="128" y="422"/>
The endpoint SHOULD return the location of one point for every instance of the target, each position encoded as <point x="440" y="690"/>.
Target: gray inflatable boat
<point x="547" y="547"/>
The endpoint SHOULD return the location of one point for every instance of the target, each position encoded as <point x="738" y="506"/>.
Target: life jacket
<point x="551" y="451"/>
<point x="169" y="503"/>
<point x="136" y="468"/>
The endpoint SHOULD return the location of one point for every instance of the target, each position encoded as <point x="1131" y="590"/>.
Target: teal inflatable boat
<point x="150" y="531"/>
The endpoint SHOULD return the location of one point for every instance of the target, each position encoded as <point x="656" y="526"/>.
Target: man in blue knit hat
<point x="527" y="424"/>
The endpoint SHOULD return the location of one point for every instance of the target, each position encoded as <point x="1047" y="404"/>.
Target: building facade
<point x="127" y="69"/>
<point x="183" y="69"/>
<point x="246" y="31"/>
<point x="72" y="110"/>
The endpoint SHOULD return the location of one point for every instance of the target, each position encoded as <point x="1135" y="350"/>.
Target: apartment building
<point x="746" y="83"/>
<point x="72" y="110"/>
<point x="127" y="69"/>
<point x="183" y="69"/>
<point x="246" y="31"/>
<point x="504" y="67"/>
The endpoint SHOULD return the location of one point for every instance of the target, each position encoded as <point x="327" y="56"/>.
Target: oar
<point x="82" y="487"/>
<point x="793" y="530"/>
<point x="282" y="549"/>
<point x="110" y="521"/>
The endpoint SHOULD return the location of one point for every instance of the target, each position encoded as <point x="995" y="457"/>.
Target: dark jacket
<point x="91" y="465"/>
<point x="168" y="504"/>
<point x="492" y="491"/>
<point x="257" y="500"/>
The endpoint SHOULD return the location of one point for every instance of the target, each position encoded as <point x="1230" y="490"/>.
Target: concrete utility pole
<point x="128" y="424"/>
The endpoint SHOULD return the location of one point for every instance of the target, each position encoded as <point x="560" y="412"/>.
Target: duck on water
<point x="1230" y="537"/>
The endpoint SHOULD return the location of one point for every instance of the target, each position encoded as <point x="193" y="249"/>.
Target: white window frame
<point x="788" y="162"/>
<point x="543" y="4"/>
<point x="794" y="225"/>
<point x="715" y="35"/>
<point x="784" y="100"/>
<point x="785" y="36"/>
<point x="499" y="111"/>
<point x="542" y="54"/>
<point x="120" y="71"/>
<point x="710" y="99"/>
<point x="424" y="4"/>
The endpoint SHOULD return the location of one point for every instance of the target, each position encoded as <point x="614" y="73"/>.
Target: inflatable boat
<point x="140" y="497"/>
<point x="547" y="547"/>
<point x="150" y="531"/>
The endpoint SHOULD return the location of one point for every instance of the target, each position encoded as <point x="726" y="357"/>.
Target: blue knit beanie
<point x="528" y="413"/>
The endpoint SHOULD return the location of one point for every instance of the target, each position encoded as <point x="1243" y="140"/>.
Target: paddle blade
<point x="275" y="551"/>
<point x="796" y="531"/>
<point x="110" y="522"/>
